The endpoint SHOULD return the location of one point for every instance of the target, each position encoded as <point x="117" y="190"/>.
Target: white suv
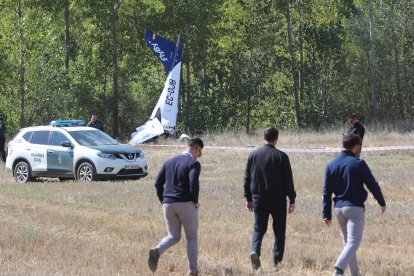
<point x="82" y="153"/>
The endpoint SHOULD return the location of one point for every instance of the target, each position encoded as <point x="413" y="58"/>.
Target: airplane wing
<point x="151" y="129"/>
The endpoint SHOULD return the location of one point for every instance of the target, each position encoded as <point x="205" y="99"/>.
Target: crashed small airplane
<point x="164" y="116"/>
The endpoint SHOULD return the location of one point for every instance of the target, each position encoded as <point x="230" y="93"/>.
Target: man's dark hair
<point x="195" y="142"/>
<point x="271" y="134"/>
<point x="349" y="140"/>
<point x="352" y="116"/>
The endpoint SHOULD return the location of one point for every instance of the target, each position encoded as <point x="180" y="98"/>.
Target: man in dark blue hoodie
<point x="177" y="186"/>
<point x="345" y="177"/>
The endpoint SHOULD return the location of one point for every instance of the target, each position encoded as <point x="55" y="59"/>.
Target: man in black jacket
<point x="267" y="182"/>
<point x="95" y="122"/>
<point x="177" y="185"/>
<point x="2" y="138"/>
<point x="356" y="128"/>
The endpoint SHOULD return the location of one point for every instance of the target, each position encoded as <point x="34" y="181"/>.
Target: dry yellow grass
<point x="106" y="228"/>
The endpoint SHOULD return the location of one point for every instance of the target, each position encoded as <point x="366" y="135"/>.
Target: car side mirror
<point x="67" y="144"/>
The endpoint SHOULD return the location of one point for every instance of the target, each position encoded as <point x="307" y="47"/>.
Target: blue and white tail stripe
<point x="164" y="116"/>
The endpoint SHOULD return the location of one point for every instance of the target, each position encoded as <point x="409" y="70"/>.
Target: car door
<point x="37" y="149"/>
<point x="59" y="158"/>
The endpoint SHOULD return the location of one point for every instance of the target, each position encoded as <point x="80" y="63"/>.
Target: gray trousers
<point x="351" y="220"/>
<point x="175" y="215"/>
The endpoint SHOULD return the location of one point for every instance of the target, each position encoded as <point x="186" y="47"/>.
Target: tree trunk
<point x="249" y="103"/>
<point x="293" y="66"/>
<point x="22" y="67"/>
<point x="115" y="71"/>
<point x="301" y="76"/>
<point x="205" y="80"/>
<point x="104" y="97"/>
<point x="250" y="85"/>
<point x="372" y="63"/>
<point x="188" y="79"/>
<point x="67" y="4"/>
<point x="397" y="62"/>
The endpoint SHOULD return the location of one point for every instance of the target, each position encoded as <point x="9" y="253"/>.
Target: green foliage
<point x="236" y="51"/>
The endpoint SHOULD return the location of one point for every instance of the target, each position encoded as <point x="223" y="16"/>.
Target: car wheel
<point x="22" y="172"/>
<point x="86" y="172"/>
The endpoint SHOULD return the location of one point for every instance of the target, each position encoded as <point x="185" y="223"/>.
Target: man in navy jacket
<point x="345" y="177"/>
<point x="177" y="185"/>
<point x="268" y="182"/>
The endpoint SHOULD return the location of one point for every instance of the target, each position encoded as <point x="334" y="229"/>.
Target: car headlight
<point x="107" y="155"/>
<point x="141" y="155"/>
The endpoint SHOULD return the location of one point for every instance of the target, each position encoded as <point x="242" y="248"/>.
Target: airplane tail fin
<point x="166" y="109"/>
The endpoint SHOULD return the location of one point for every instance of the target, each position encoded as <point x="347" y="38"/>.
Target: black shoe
<point x="276" y="262"/>
<point x="338" y="272"/>
<point x="254" y="257"/>
<point x="153" y="259"/>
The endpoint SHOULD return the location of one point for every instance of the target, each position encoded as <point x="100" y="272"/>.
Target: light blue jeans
<point x="351" y="219"/>
<point x="175" y="215"/>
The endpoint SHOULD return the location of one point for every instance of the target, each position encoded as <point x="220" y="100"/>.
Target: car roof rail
<point x="67" y="123"/>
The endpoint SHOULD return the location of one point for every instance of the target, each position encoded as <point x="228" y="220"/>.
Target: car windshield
<point x="92" y="138"/>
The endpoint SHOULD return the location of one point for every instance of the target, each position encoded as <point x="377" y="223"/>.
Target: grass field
<point x="49" y="227"/>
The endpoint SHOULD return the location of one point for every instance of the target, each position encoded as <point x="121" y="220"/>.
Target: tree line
<point x="246" y="63"/>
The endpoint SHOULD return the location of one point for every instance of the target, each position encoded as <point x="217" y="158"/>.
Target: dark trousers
<point x="2" y="152"/>
<point x="262" y="209"/>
